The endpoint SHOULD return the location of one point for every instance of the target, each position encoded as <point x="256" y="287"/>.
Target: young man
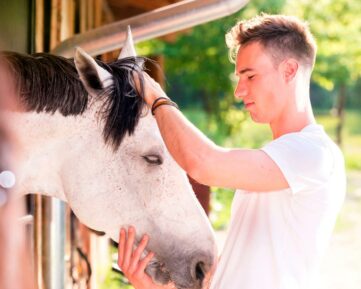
<point x="289" y="192"/>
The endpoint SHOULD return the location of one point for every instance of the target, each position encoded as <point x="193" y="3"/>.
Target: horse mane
<point x="49" y="83"/>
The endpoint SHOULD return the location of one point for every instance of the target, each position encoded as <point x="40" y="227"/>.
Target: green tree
<point x="198" y="70"/>
<point x="337" y="27"/>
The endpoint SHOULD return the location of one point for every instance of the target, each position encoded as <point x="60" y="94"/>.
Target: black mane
<point x="49" y="83"/>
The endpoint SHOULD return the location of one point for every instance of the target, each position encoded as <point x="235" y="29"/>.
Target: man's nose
<point x="241" y="91"/>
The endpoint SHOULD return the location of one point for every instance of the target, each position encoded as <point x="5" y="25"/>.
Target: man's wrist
<point x="151" y="100"/>
<point x="162" y="101"/>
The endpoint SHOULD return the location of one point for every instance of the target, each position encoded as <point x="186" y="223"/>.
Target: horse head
<point x="101" y="151"/>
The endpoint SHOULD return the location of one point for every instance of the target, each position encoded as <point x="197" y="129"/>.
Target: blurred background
<point x="199" y="77"/>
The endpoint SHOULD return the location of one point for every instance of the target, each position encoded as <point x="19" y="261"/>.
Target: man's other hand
<point x="130" y="261"/>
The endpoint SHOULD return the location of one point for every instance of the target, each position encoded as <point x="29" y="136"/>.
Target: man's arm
<point x="206" y="162"/>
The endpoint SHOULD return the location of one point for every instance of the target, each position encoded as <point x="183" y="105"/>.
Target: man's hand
<point x="152" y="90"/>
<point x="131" y="263"/>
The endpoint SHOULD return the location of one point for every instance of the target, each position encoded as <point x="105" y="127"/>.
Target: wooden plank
<point x="108" y="16"/>
<point x="67" y="19"/>
<point x="126" y="12"/>
<point x="39" y="26"/>
<point x="70" y="18"/>
<point x="141" y="4"/>
<point x="55" y="31"/>
<point x="98" y="13"/>
<point x="90" y="14"/>
<point x="83" y="18"/>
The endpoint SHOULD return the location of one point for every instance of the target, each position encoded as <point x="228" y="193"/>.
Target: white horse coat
<point x="138" y="183"/>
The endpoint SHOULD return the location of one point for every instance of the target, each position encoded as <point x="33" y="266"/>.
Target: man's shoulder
<point x="306" y="157"/>
<point x="311" y="138"/>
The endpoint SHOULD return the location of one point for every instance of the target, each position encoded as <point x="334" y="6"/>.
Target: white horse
<point x="100" y="150"/>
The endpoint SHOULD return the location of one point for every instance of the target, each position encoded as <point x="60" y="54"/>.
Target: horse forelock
<point x="49" y="83"/>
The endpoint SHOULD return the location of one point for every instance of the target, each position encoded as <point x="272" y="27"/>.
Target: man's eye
<point x="250" y="77"/>
<point x="153" y="159"/>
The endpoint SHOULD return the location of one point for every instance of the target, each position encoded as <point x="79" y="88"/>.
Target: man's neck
<point x="297" y="113"/>
<point x="292" y="121"/>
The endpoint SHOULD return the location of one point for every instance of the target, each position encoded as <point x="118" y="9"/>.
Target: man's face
<point x="260" y="85"/>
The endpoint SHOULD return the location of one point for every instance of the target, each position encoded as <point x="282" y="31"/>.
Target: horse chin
<point x="161" y="276"/>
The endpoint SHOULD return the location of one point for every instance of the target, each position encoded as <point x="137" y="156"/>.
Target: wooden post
<point x="39" y="25"/>
<point x="51" y="216"/>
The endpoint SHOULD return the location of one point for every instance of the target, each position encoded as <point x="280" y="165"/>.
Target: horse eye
<point x="153" y="159"/>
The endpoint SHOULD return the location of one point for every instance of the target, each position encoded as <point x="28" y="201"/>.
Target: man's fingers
<point x="121" y="245"/>
<point x="144" y="262"/>
<point x="128" y="247"/>
<point x="136" y="78"/>
<point x="137" y="253"/>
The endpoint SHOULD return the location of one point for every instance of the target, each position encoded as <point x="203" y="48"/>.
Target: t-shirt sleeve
<point x="305" y="163"/>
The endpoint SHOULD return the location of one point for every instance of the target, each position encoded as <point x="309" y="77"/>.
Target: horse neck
<point x="42" y="147"/>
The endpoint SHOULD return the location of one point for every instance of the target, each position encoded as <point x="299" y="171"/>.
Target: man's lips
<point x="248" y="104"/>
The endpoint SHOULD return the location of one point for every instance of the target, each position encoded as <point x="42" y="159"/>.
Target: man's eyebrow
<point x="244" y="71"/>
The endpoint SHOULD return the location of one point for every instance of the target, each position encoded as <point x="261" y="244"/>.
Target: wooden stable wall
<point x="15" y="25"/>
<point x="55" y="21"/>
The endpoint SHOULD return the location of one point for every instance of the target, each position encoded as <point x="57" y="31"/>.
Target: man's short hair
<point x="282" y="36"/>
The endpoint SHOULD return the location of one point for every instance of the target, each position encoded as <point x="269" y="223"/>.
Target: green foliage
<point x="321" y="98"/>
<point x="221" y="207"/>
<point x="115" y="280"/>
<point x="337" y="27"/>
<point x="354" y="97"/>
<point x="267" y="6"/>
<point x="199" y="73"/>
<point x="199" y="60"/>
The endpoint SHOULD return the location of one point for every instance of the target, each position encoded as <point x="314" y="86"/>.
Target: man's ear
<point x="289" y="69"/>
<point x="94" y="77"/>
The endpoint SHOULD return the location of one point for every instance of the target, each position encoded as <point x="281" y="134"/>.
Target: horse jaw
<point x="128" y="49"/>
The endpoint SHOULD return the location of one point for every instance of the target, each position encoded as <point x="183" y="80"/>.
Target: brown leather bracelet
<point x="162" y="101"/>
<point x="159" y="99"/>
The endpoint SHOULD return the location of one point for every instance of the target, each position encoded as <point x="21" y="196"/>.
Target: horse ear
<point x="94" y="77"/>
<point x="128" y="49"/>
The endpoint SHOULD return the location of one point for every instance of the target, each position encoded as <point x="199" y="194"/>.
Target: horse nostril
<point x="200" y="274"/>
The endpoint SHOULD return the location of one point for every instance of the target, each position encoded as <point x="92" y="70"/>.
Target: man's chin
<point x="256" y="119"/>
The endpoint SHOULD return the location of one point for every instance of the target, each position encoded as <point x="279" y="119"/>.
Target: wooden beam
<point x="67" y="19"/>
<point x="126" y="12"/>
<point x="98" y="13"/>
<point x="39" y="26"/>
<point x="55" y="31"/>
<point x="141" y="4"/>
<point x="108" y="14"/>
<point x="83" y="14"/>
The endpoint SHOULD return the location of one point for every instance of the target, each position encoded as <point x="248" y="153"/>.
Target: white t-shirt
<point x="276" y="238"/>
